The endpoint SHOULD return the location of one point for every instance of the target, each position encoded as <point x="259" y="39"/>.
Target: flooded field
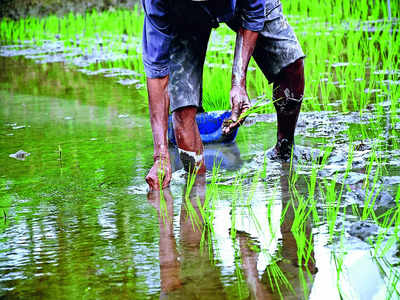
<point x="77" y="221"/>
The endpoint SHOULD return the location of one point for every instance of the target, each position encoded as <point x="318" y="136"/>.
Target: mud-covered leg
<point x="288" y="96"/>
<point x="188" y="139"/>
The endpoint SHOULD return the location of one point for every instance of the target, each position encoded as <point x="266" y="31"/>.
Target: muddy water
<point x="77" y="221"/>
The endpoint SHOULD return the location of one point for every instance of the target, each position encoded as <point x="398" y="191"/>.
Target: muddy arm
<point x="239" y="100"/>
<point x="159" y="107"/>
<point x="245" y="44"/>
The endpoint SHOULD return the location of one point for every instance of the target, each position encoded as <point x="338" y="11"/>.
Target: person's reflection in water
<point x="169" y="263"/>
<point x="190" y="274"/>
<point x="289" y="243"/>
<point x="288" y="264"/>
<point x="249" y="257"/>
<point x="226" y="156"/>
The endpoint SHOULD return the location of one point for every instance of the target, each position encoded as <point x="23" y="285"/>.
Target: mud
<point x="378" y="197"/>
<point x="189" y="159"/>
<point x="363" y="230"/>
<point x="54" y="51"/>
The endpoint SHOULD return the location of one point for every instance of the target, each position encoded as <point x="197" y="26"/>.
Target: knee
<point x="289" y="88"/>
<point x="292" y="71"/>
<point x="289" y="83"/>
<point x="184" y="117"/>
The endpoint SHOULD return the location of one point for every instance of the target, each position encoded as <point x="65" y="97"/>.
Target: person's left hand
<point x="240" y="103"/>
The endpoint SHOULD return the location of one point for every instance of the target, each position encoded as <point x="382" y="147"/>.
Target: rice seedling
<point x="390" y="219"/>
<point x="392" y="277"/>
<point x="338" y="259"/>
<point x="332" y="205"/>
<point x="195" y="218"/>
<point x="237" y="195"/>
<point x="277" y="279"/>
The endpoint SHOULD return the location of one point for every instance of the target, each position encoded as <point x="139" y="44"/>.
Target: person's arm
<point x="252" y="14"/>
<point x="156" y="41"/>
<point x="239" y="99"/>
<point x="245" y="44"/>
<point x="158" y="108"/>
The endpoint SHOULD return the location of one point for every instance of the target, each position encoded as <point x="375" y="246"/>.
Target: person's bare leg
<point x="288" y="95"/>
<point x="188" y="139"/>
<point x="159" y="108"/>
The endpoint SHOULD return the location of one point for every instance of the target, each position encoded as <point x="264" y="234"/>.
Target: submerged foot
<point x="282" y="151"/>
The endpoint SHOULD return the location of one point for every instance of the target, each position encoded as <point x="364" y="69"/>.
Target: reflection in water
<point x="224" y="156"/>
<point x="286" y="275"/>
<point x="191" y="272"/>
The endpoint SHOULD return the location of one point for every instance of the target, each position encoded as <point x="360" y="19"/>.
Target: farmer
<point x="175" y="37"/>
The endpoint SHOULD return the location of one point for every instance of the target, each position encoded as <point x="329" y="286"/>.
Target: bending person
<point x="175" y="38"/>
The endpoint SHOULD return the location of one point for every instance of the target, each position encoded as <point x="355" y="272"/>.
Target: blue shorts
<point x="277" y="47"/>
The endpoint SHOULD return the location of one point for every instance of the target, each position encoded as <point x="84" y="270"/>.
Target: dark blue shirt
<point x="158" y="29"/>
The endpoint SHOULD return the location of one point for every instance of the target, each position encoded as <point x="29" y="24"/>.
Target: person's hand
<point x="240" y="103"/>
<point x="160" y="174"/>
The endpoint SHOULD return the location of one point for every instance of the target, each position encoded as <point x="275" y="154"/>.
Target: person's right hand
<point x="240" y="103"/>
<point x="160" y="174"/>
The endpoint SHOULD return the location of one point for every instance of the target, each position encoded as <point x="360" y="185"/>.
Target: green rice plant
<point x="305" y="248"/>
<point x="237" y="195"/>
<point x="390" y="219"/>
<point x="195" y="219"/>
<point x="371" y="194"/>
<point x="208" y="211"/>
<point x="392" y="277"/>
<point x="301" y="211"/>
<point x="311" y="186"/>
<point x="294" y="172"/>
<point x="277" y="279"/>
<point x="304" y="240"/>
<point x="338" y="259"/>
<point x="332" y="203"/>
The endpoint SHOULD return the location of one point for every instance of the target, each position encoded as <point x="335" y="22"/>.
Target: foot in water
<point x="282" y="151"/>
<point x="286" y="151"/>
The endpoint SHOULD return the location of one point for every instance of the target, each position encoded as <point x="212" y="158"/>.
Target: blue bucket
<point x="224" y="156"/>
<point x="210" y="127"/>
